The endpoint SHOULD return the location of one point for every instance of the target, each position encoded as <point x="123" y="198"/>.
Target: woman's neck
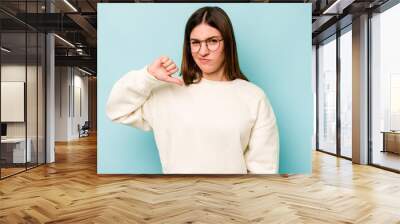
<point x="218" y="75"/>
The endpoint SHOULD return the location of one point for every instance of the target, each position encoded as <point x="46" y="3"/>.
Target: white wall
<point x="79" y="117"/>
<point x="70" y="84"/>
<point x="15" y="72"/>
<point x="62" y="81"/>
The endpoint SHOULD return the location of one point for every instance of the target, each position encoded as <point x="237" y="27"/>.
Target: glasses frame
<point x="205" y="41"/>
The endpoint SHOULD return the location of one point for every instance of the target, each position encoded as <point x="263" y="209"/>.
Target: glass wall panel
<point x="385" y="83"/>
<point x="327" y="96"/>
<point x="32" y="85"/>
<point x="14" y="152"/>
<point x="32" y="96"/>
<point x="346" y="93"/>
<point x="41" y="97"/>
<point x="22" y="88"/>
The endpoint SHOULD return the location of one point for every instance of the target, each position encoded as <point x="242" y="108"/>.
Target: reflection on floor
<point x="11" y="169"/>
<point x="386" y="159"/>
<point x="347" y="152"/>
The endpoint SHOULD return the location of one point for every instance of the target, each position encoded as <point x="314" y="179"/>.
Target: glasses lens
<point x="195" y="46"/>
<point x="213" y="44"/>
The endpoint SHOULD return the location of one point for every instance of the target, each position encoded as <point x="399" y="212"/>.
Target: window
<point x="385" y="88"/>
<point x="346" y="93"/>
<point x="327" y="96"/>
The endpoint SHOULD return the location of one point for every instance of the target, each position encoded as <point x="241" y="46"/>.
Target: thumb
<point x="174" y="80"/>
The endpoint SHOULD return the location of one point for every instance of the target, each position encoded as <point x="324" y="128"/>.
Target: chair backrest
<point x="86" y="124"/>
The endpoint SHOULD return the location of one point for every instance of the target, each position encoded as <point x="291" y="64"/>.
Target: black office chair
<point x="84" y="130"/>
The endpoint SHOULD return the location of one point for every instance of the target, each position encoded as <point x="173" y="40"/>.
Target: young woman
<point x="213" y="121"/>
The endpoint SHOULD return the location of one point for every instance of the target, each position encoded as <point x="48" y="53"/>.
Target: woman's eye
<point x="213" y="41"/>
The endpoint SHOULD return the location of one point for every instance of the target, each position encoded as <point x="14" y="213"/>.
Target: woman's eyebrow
<point x="204" y="39"/>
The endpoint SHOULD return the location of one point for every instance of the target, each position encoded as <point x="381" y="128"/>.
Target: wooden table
<point x="391" y="141"/>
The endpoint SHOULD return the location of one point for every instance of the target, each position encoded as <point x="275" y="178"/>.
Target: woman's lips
<point x="204" y="61"/>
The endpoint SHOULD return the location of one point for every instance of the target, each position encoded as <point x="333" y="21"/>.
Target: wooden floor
<point x="69" y="191"/>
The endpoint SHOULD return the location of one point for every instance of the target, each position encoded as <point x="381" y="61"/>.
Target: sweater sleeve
<point x="262" y="154"/>
<point x="131" y="102"/>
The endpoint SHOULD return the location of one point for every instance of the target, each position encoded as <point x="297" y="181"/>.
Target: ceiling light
<point x="70" y="5"/>
<point x="64" y="40"/>
<point x="5" y="49"/>
<point x="86" y="72"/>
<point x="338" y="6"/>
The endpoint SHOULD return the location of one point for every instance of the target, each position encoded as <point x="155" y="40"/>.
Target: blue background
<point x="274" y="47"/>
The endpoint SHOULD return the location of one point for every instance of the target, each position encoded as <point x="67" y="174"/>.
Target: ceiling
<point x="76" y="22"/>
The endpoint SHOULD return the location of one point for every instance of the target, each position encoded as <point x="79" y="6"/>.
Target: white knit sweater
<point x="213" y="127"/>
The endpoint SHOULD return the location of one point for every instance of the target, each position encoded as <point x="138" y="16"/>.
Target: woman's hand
<point x="162" y="69"/>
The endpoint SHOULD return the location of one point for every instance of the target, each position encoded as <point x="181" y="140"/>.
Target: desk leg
<point x="384" y="142"/>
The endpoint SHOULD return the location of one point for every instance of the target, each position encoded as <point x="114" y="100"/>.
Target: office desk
<point x="15" y="148"/>
<point x="391" y="141"/>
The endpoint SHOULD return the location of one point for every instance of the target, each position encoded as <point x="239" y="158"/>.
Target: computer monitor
<point x="3" y="129"/>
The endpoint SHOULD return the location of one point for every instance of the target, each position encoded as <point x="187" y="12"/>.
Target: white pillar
<point x="50" y="91"/>
<point x="360" y="90"/>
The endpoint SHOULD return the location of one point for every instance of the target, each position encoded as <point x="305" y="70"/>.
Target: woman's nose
<point x="203" y="50"/>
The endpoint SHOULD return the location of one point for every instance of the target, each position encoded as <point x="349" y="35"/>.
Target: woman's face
<point x="212" y="59"/>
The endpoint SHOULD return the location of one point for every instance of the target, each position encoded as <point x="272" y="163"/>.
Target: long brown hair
<point x="217" y="18"/>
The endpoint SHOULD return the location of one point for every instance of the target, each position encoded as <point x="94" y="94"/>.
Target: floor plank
<point x="70" y="191"/>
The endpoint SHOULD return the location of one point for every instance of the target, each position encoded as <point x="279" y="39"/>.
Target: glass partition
<point x="385" y="89"/>
<point x="14" y="154"/>
<point x="346" y="93"/>
<point x="22" y="77"/>
<point x="327" y="95"/>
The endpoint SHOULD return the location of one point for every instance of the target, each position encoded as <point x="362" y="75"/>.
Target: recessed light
<point x="86" y="72"/>
<point x="64" y="40"/>
<point x="70" y="5"/>
<point x="5" y="50"/>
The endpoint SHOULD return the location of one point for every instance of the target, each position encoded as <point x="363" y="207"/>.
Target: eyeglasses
<point x="212" y="44"/>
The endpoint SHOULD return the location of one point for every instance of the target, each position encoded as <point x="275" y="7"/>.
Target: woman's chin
<point x="206" y="69"/>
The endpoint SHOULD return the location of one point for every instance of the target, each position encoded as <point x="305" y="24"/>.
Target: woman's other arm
<point x="262" y="154"/>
